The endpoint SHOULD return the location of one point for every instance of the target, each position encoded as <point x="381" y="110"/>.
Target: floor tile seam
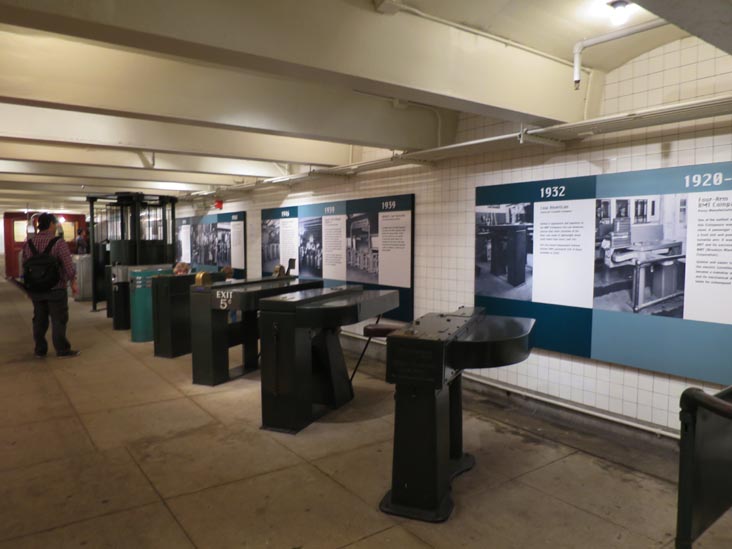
<point x="589" y="512"/>
<point x="540" y="467"/>
<point x="73" y="455"/>
<point x="75" y="410"/>
<point x="161" y="498"/>
<point x="341" y="452"/>
<point x="173" y="497"/>
<point x="575" y="447"/>
<point x="351" y="544"/>
<point x="129" y="406"/>
<point x="77" y="521"/>
<point x="36" y="421"/>
<point x="161" y="377"/>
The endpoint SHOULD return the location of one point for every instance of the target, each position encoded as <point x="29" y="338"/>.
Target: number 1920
<point x="704" y="179"/>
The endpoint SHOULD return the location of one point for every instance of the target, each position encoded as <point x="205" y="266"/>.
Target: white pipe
<point x="609" y="37"/>
<point x="477" y="32"/>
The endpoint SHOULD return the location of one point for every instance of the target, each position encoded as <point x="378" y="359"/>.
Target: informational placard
<point x="632" y="268"/>
<point x="367" y="242"/>
<point x="213" y="242"/>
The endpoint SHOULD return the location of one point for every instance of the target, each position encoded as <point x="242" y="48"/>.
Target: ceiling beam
<point x="710" y="20"/>
<point x="61" y="192"/>
<point x="112" y="158"/>
<point x="119" y="174"/>
<point x="46" y="125"/>
<point x="342" y="43"/>
<point x="62" y="184"/>
<point x="96" y="78"/>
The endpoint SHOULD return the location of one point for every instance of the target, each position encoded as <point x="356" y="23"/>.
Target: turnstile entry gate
<point x="171" y="310"/>
<point x="303" y="369"/>
<point x="425" y="360"/>
<point x="214" y="328"/>
<point x="705" y="463"/>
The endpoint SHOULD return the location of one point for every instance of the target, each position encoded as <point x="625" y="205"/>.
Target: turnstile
<point x="214" y="330"/>
<point x="141" y="316"/>
<point x="118" y="283"/>
<point x="303" y="369"/>
<point x="83" y="265"/>
<point x="425" y="360"/>
<point x="705" y="462"/>
<point x="171" y="310"/>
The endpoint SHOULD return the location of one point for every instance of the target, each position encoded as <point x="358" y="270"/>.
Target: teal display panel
<point x="367" y="242"/>
<point x="213" y="242"/>
<point x="631" y="268"/>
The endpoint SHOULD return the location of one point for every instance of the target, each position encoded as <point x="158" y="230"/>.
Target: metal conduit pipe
<point x="580" y="46"/>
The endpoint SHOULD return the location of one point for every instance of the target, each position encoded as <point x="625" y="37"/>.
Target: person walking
<point x="82" y="242"/>
<point x="47" y="271"/>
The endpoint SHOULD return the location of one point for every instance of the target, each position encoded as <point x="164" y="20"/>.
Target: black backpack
<point x="41" y="271"/>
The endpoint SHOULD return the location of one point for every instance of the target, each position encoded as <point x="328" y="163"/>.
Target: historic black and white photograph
<point x="310" y="248"/>
<point x="270" y="244"/>
<point x="223" y="244"/>
<point x="504" y="250"/>
<point x="203" y="244"/>
<point x="640" y="254"/>
<point x="362" y="250"/>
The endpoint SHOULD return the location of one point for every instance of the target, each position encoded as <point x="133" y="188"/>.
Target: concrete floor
<point x="118" y="449"/>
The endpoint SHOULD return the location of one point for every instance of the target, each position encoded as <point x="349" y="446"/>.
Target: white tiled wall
<point x="445" y="204"/>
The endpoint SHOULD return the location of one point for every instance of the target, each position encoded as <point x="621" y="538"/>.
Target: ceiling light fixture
<point x="621" y="12"/>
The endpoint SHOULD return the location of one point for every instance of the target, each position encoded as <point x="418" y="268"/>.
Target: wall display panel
<point x="632" y="268"/>
<point x="212" y="242"/>
<point x="367" y="242"/>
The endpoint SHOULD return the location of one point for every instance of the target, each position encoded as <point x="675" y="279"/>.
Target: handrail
<point x="721" y="404"/>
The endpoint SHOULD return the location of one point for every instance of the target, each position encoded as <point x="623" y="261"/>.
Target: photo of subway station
<point x="508" y="326"/>
<point x="270" y="244"/>
<point x="362" y="248"/>
<point x="310" y="250"/>
<point x="640" y="254"/>
<point x="504" y="250"/>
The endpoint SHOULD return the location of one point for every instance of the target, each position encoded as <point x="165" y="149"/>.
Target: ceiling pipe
<point x="552" y="136"/>
<point x="392" y="7"/>
<point x="580" y="46"/>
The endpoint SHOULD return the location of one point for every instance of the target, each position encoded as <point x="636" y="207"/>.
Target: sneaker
<point x="39" y="355"/>
<point x="68" y="354"/>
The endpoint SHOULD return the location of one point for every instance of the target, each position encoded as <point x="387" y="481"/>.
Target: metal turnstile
<point x="705" y="463"/>
<point x="224" y="315"/>
<point x="303" y="369"/>
<point x="171" y="311"/>
<point x="84" y="272"/>
<point x="141" y="315"/>
<point x="425" y="360"/>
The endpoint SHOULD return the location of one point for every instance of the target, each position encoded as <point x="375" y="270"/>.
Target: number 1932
<point x="554" y="192"/>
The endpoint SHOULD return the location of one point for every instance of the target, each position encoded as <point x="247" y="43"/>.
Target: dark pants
<point x="56" y="305"/>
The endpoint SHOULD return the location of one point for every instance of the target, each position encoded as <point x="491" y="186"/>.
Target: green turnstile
<point x="141" y="313"/>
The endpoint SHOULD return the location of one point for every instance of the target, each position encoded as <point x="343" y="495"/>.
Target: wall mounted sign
<point x="367" y="241"/>
<point x="212" y="242"/>
<point x="632" y="268"/>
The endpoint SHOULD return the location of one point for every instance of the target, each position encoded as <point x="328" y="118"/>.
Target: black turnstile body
<point x="425" y="361"/>
<point x="213" y="332"/>
<point x="171" y="307"/>
<point x="303" y="369"/>
<point x="705" y="463"/>
<point x="120" y="302"/>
